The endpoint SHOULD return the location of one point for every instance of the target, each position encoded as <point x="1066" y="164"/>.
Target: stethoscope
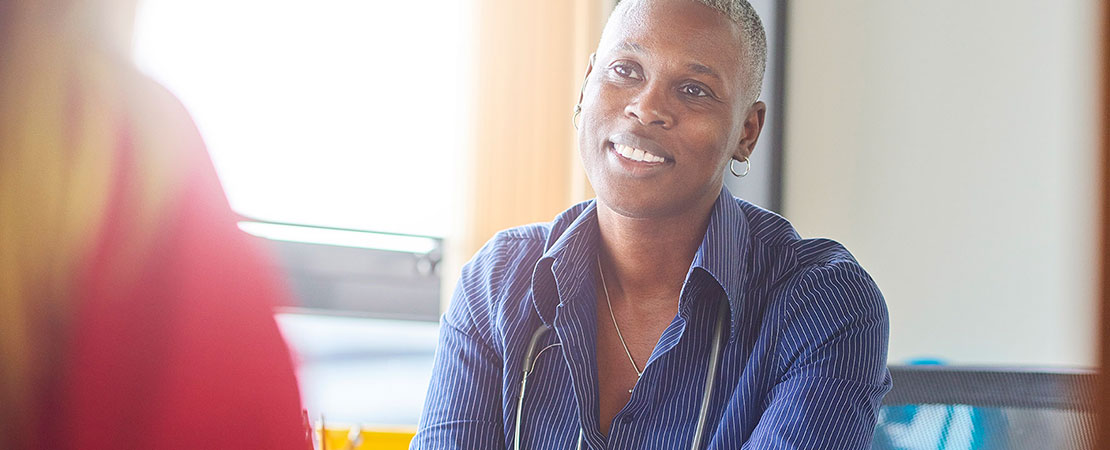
<point x="532" y="355"/>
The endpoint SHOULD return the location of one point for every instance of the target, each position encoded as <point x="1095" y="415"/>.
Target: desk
<point x="338" y="437"/>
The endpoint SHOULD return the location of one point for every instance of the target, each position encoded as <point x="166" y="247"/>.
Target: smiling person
<point x="666" y="313"/>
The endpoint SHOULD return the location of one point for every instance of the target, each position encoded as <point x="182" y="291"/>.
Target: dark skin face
<point x="668" y="75"/>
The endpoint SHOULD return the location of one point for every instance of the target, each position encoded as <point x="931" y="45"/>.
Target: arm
<point x="833" y="350"/>
<point x="463" y="406"/>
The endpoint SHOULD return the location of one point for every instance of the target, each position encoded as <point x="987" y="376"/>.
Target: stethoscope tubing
<point x="529" y="364"/>
<point x="703" y="414"/>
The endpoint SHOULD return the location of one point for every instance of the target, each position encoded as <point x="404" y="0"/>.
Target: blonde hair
<point x="67" y="108"/>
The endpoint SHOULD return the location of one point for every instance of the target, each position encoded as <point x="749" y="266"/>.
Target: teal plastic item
<point x="940" y="427"/>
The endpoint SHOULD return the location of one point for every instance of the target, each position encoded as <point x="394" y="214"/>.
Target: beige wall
<point x="951" y="146"/>
<point x="521" y="164"/>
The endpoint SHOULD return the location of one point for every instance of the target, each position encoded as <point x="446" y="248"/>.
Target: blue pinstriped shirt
<point x="803" y="366"/>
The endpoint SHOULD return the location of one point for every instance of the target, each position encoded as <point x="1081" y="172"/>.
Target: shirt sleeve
<point x="833" y="353"/>
<point x="463" y="407"/>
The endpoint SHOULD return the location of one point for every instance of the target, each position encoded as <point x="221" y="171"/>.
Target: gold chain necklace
<point x="639" y="373"/>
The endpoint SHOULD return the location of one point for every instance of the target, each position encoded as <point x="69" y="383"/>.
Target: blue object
<point x="939" y="426"/>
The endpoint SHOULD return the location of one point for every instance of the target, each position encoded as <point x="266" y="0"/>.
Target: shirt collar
<point x="723" y="253"/>
<point x="567" y="265"/>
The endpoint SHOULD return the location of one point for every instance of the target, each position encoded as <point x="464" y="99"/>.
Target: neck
<point x="648" y="258"/>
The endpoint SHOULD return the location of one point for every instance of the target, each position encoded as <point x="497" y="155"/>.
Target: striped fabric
<point x="803" y="365"/>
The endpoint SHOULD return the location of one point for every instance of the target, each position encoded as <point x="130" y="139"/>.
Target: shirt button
<point x="627" y="419"/>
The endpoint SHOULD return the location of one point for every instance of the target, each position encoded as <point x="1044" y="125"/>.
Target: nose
<point x="650" y="107"/>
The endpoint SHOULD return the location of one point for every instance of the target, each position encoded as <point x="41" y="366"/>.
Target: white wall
<point x="950" y="145"/>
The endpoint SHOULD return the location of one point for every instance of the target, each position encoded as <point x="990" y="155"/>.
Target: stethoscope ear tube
<point x="531" y="355"/>
<point x="528" y="366"/>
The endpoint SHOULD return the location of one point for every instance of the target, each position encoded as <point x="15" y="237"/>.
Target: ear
<point x="586" y="77"/>
<point x="752" y="126"/>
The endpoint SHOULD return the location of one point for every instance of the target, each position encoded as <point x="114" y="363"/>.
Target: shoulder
<point x="504" y="262"/>
<point x="773" y="233"/>
<point x="774" y="241"/>
<point x="807" y="275"/>
<point x="518" y="249"/>
<point x="838" y="289"/>
<point x="499" y="275"/>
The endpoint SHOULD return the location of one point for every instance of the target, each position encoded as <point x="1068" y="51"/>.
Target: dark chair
<point x="978" y="408"/>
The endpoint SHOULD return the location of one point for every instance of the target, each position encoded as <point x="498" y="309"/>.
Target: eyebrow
<point x="631" y="46"/>
<point x="704" y="70"/>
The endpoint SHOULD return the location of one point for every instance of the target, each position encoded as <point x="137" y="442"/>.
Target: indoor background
<point x="951" y="145"/>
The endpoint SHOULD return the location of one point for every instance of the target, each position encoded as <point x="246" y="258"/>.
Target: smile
<point x="636" y="154"/>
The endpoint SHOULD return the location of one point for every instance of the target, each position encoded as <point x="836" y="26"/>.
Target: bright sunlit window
<point x="339" y="113"/>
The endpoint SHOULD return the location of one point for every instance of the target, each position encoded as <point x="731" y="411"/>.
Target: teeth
<point x="625" y="151"/>
<point x="636" y="154"/>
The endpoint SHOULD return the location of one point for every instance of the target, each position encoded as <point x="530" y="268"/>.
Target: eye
<point x="694" y="90"/>
<point x="626" y="71"/>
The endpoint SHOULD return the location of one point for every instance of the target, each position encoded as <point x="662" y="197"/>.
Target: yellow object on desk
<point x="365" y="437"/>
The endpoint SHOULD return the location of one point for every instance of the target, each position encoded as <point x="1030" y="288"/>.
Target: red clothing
<point x="174" y="344"/>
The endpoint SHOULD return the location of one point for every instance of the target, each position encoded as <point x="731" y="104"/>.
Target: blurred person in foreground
<point x="133" y="313"/>
<point x="666" y="313"/>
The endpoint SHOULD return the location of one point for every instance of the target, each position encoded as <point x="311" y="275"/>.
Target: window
<point x="337" y="113"/>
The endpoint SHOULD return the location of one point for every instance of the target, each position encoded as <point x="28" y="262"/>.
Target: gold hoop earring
<point x="574" y="118"/>
<point x="747" y="167"/>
